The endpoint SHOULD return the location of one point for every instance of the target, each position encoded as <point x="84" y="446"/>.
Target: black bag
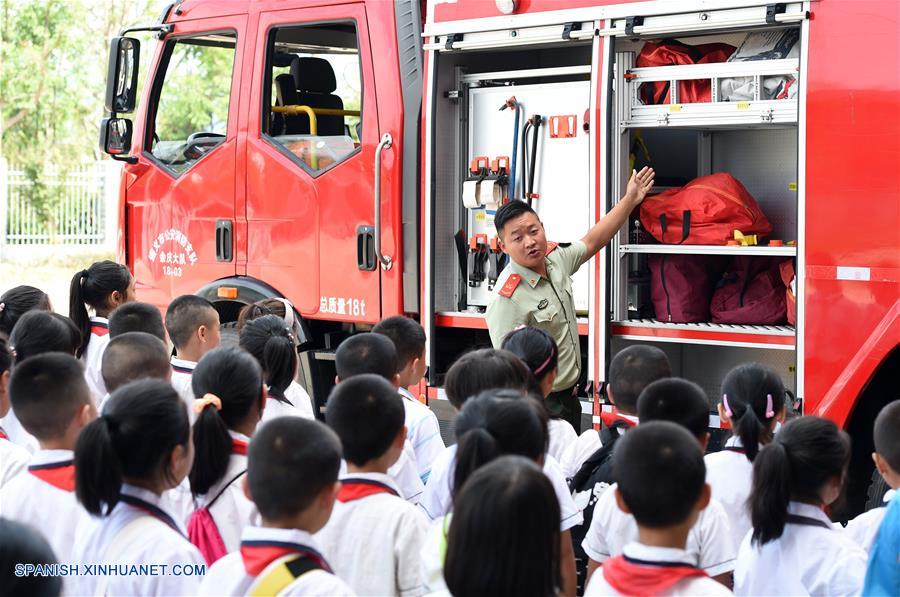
<point x="594" y="477"/>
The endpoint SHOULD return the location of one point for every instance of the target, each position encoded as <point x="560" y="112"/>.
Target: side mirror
<point x="122" y="73"/>
<point x="115" y="136"/>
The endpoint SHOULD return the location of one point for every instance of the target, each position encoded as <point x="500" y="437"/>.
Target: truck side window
<point x="189" y="108"/>
<point x="315" y="93"/>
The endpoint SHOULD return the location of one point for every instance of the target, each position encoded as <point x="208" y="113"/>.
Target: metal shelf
<point x="476" y="321"/>
<point x="709" y="250"/>
<point x="776" y="337"/>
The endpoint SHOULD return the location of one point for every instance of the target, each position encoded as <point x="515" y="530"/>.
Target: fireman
<point x="535" y="289"/>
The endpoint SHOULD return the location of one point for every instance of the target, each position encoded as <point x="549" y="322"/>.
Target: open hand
<point x="639" y="185"/>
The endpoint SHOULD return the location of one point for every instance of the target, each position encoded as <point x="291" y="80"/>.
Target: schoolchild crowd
<point x="140" y="465"/>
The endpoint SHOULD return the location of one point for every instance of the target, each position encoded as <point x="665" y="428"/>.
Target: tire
<point x="877" y="488"/>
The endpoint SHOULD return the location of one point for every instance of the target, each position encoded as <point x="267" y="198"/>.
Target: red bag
<point x="670" y="52"/>
<point x="681" y="286"/>
<point x="204" y="534"/>
<point x="751" y="293"/>
<point x="706" y="211"/>
<point x="787" y="276"/>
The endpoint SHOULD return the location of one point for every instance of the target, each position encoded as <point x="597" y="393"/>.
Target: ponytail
<point x="806" y="454"/>
<point x="234" y="378"/>
<point x="752" y="397"/>
<point x="92" y="287"/>
<point x="78" y="311"/>
<point x="270" y="341"/>
<point x="143" y="422"/>
<point x="476" y="448"/>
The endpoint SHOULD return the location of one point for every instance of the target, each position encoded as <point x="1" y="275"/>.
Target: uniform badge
<point x="543" y="304"/>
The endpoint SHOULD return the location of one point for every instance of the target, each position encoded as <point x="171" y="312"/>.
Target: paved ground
<point x="52" y="275"/>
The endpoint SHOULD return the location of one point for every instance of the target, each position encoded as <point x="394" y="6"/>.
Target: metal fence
<point x="78" y="205"/>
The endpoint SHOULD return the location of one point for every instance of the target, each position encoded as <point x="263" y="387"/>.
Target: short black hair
<point x="485" y="369"/>
<point x="633" y="369"/>
<point x="366" y="353"/>
<point x="136" y="317"/>
<point x="290" y="462"/>
<point x="38" y="332"/>
<point x="185" y="314"/>
<point x="887" y="434"/>
<point x="22" y="544"/>
<point x="661" y="473"/>
<point x="18" y="301"/>
<point x="132" y="356"/>
<point x="367" y="414"/>
<point x="511" y="210"/>
<point x="678" y="401"/>
<point x="46" y="392"/>
<point x="406" y="334"/>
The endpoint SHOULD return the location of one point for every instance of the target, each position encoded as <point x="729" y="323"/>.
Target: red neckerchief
<point x="180" y="369"/>
<point x="737" y="449"/>
<point x="356" y="489"/>
<point x="152" y="510"/>
<point x="629" y="576"/>
<point x="238" y="446"/>
<point x="3" y="434"/>
<point x="258" y="554"/>
<point x="610" y="418"/>
<point x="58" y="474"/>
<point x="98" y="328"/>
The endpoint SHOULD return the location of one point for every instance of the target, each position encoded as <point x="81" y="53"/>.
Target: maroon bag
<point x="681" y="286"/>
<point x="752" y="292"/>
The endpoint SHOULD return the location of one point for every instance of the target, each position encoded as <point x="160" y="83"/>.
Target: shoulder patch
<point x="511" y="284"/>
<point x="551" y="246"/>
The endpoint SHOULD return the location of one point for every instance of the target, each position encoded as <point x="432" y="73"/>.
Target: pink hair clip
<point x="770" y="412"/>
<point x="725" y="404"/>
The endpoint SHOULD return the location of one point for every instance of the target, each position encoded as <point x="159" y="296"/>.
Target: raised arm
<point x="603" y="231"/>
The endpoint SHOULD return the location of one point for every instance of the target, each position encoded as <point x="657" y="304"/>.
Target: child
<point x="752" y="404"/>
<point x="375" y="354"/>
<point x="102" y="287"/>
<point x="136" y="317"/>
<point x="374" y="536"/>
<point x="52" y="401"/>
<point x="124" y="461"/>
<point x="13" y="458"/>
<point x="22" y="544"/>
<point x="709" y="540"/>
<point x="270" y="341"/>
<point x="662" y="485"/>
<point x="423" y="430"/>
<point x="538" y="351"/>
<point x="794" y="549"/>
<point x="503" y="536"/>
<point x="132" y="356"/>
<point x="292" y="478"/>
<point x="193" y="326"/>
<point x="17" y="301"/>
<point x="231" y="396"/>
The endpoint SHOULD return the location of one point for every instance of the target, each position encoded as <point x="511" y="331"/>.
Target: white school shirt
<point x="577" y="453"/>
<point x="17" y="434"/>
<point x="434" y="550"/>
<point x="182" y="372"/>
<point x="374" y="543"/>
<point x="709" y="540"/>
<point x="730" y="476"/>
<point x="562" y="435"/>
<point x="160" y="544"/>
<point x="302" y="404"/>
<point x="13" y="459"/>
<point x="864" y="528"/>
<point x="404" y="473"/>
<point x="423" y="432"/>
<point x="93" y="357"/>
<point x="805" y="560"/>
<point x="437" y="500"/>
<point x="229" y="577"/>
<point x="699" y="586"/>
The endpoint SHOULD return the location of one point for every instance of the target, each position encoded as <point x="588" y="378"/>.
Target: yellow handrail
<point x="318" y="111"/>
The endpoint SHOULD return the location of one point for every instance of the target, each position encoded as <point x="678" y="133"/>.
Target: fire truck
<point x="349" y="156"/>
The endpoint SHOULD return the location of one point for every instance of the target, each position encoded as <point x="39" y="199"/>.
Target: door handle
<point x="365" y="249"/>
<point x="224" y="240"/>
<point x="386" y="141"/>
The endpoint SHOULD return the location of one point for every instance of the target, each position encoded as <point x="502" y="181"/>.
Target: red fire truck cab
<point x="349" y="156"/>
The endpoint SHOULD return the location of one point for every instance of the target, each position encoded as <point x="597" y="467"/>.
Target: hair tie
<point x="725" y="404"/>
<point x="770" y="412"/>
<point x="521" y="326"/>
<point x="201" y="403"/>
<point x="111" y="424"/>
<point x="2" y="306"/>
<point x="288" y="311"/>
<point x="543" y="365"/>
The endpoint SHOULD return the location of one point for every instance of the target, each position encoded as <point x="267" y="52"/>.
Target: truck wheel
<point x="877" y="488"/>
<point x="229" y="334"/>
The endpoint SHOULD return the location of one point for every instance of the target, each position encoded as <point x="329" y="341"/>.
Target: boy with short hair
<point x="136" y="317"/>
<point x="883" y="573"/>
<point x="374" y="536"/>
<point x="292" y="477"/>
<point x="132" y="356"/>
<point x="52" y="401"/>
<point x="709" y="540"/>
<point x="375" y="354"/>
<point x="193" y="326"/>
<point x="423" y="431"/>
<point x="662" y="484"/>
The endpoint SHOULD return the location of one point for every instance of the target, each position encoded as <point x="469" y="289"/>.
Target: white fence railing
<point x="80" y="206"/>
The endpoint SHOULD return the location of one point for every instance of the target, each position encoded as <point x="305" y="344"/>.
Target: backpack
<point x="670" y="52"/>
<point x="752" y="292"/>
<point x="705" y="211"/>
<point x="203" y="531"/>
<point x="592" y="479"/>
<point x="681" y="286"/>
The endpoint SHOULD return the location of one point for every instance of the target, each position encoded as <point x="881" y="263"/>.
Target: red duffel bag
<point x="670" y="52"/>
<point x="752" y="292"/>
<point x="681" y="286"/>
<point x="706" y="211"/>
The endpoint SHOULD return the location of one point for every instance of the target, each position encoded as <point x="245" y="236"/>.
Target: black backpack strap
<point x="227" y="485"/>
<point x="301" y="566"/>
